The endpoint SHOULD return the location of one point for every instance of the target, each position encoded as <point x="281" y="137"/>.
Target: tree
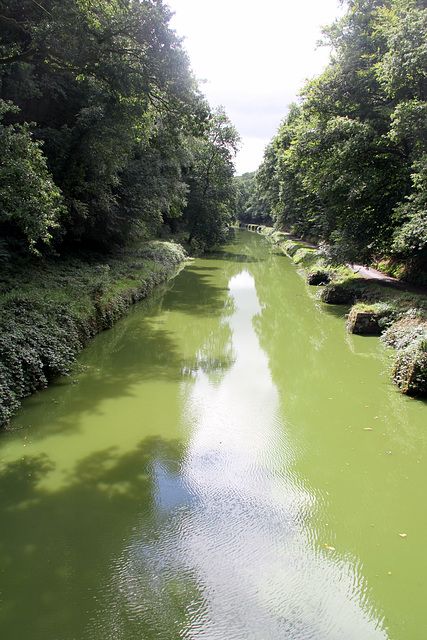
<point x="251" y="206"/>
<point x="211" y="192"/>
<point x="403" y="73"/>
<point x="346" y="166"/>
<point x="30" y="203"/>
<point x="102" y="82"/>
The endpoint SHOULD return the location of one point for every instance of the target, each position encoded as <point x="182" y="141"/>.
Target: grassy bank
<point x="49" y="310"/>
<point x="398" y="316"/>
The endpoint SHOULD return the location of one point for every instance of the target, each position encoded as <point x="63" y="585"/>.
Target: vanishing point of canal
<point x="226" y="464"/>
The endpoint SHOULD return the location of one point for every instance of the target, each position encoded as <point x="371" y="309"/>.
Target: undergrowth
<point x="49" y="310"/>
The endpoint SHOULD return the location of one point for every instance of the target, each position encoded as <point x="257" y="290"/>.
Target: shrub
<point x="48" y="312"/>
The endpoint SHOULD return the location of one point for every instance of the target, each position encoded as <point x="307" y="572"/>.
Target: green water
<point x="228" y="464"/>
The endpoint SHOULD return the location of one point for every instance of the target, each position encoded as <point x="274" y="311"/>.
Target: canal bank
<point x="375" y="304"/>
<point x="50" y="309"/>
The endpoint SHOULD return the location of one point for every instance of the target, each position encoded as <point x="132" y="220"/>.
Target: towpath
<point x="368" y="273"/>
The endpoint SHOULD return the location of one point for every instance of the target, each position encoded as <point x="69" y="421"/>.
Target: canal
<point x="226" y="463"/>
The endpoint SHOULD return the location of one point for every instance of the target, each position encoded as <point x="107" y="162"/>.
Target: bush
<point x="409" y="337"/>
<point x="410" y="369"/>
<point x="39" y="339"/>
<point x="48" y="312"/>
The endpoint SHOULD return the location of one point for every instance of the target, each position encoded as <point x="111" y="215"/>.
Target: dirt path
<point x="372" y="274"/>
<point x="368" y="273"/>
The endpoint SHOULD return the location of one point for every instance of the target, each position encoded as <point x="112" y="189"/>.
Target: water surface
<point x="226" y="464"/>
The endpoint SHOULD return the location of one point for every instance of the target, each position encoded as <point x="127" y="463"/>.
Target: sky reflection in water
<point x="230" y="557"/>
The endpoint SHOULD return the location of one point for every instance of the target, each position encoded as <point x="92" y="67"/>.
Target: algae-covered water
<point x="226" y="464"/>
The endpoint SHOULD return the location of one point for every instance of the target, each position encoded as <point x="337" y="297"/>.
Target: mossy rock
<point x="369" y="321"/>
<point x="340" y="293"/>
<point x="363" y="323"/>
<point x="410" y="369"/>
<point x="318" y="277"/>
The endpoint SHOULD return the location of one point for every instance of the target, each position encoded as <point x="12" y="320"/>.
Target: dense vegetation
<point x="51" y="312"/>
<point x="348" y="164"/>
<point x="251" y="207"/>
<point x="104" y="135"/>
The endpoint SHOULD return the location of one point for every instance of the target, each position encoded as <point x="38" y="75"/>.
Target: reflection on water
<point x="229" y="546"/>
<point x="229" y="465"/>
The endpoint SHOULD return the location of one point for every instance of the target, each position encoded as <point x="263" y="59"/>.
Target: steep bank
<point x="49" y="310"/>
<point x="381" y="306"/>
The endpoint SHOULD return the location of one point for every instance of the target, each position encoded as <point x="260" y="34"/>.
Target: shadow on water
<point x="232" y="257"/>
<point x="138" y="349"/>
<point x="76" y="534"/>
<point x="114" y="371"/>
<point x="194" y="292"/>
<point x="336" y="310"/>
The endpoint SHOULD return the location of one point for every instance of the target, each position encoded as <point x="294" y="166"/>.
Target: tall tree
<point x="403" y="73"/>
<point x="30" y="203"/>
<point x="347" y="165"/>
<point x="211" y="196"/>
<point x="103" y="81"/>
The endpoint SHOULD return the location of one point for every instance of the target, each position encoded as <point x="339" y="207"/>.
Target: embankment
<point x="49" y="311"/>
<point x="376" y="305"/>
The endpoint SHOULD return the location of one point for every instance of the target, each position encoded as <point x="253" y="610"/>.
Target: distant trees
<point x="348" y="164"/>
<point x="211" y="196"/>
<point x="251" y="206"/>
<point x="111" y="110"/>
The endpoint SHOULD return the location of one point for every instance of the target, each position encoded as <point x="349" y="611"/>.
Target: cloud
<point x="255" y="58"/>
<point x="250" y="155"/>
<point x="254" y="115"/>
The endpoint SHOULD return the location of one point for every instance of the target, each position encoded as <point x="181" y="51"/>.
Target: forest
<point x="348" y="165"/>
<point x="105" y="136"/>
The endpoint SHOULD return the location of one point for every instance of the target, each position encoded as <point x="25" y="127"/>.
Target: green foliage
<point x="38" y="340"/>
<point x="402" y="70"/>
<point x="107" y="87"/>
<point x="211" y="198"/>
<point x="30" y="203"/>
<point x="348" y="164"/>
<point x="49" y="311"/>
<point x="409" y="337"/>
<point x="411" y="237"/>
<point x="251" y="206"/>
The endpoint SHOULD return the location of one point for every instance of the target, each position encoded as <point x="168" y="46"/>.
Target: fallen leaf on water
<point x="403" y="535"/>
<point x="367" y="429"/>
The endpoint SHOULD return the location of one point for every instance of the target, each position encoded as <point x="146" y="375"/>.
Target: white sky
<point x="254" y="57"/>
